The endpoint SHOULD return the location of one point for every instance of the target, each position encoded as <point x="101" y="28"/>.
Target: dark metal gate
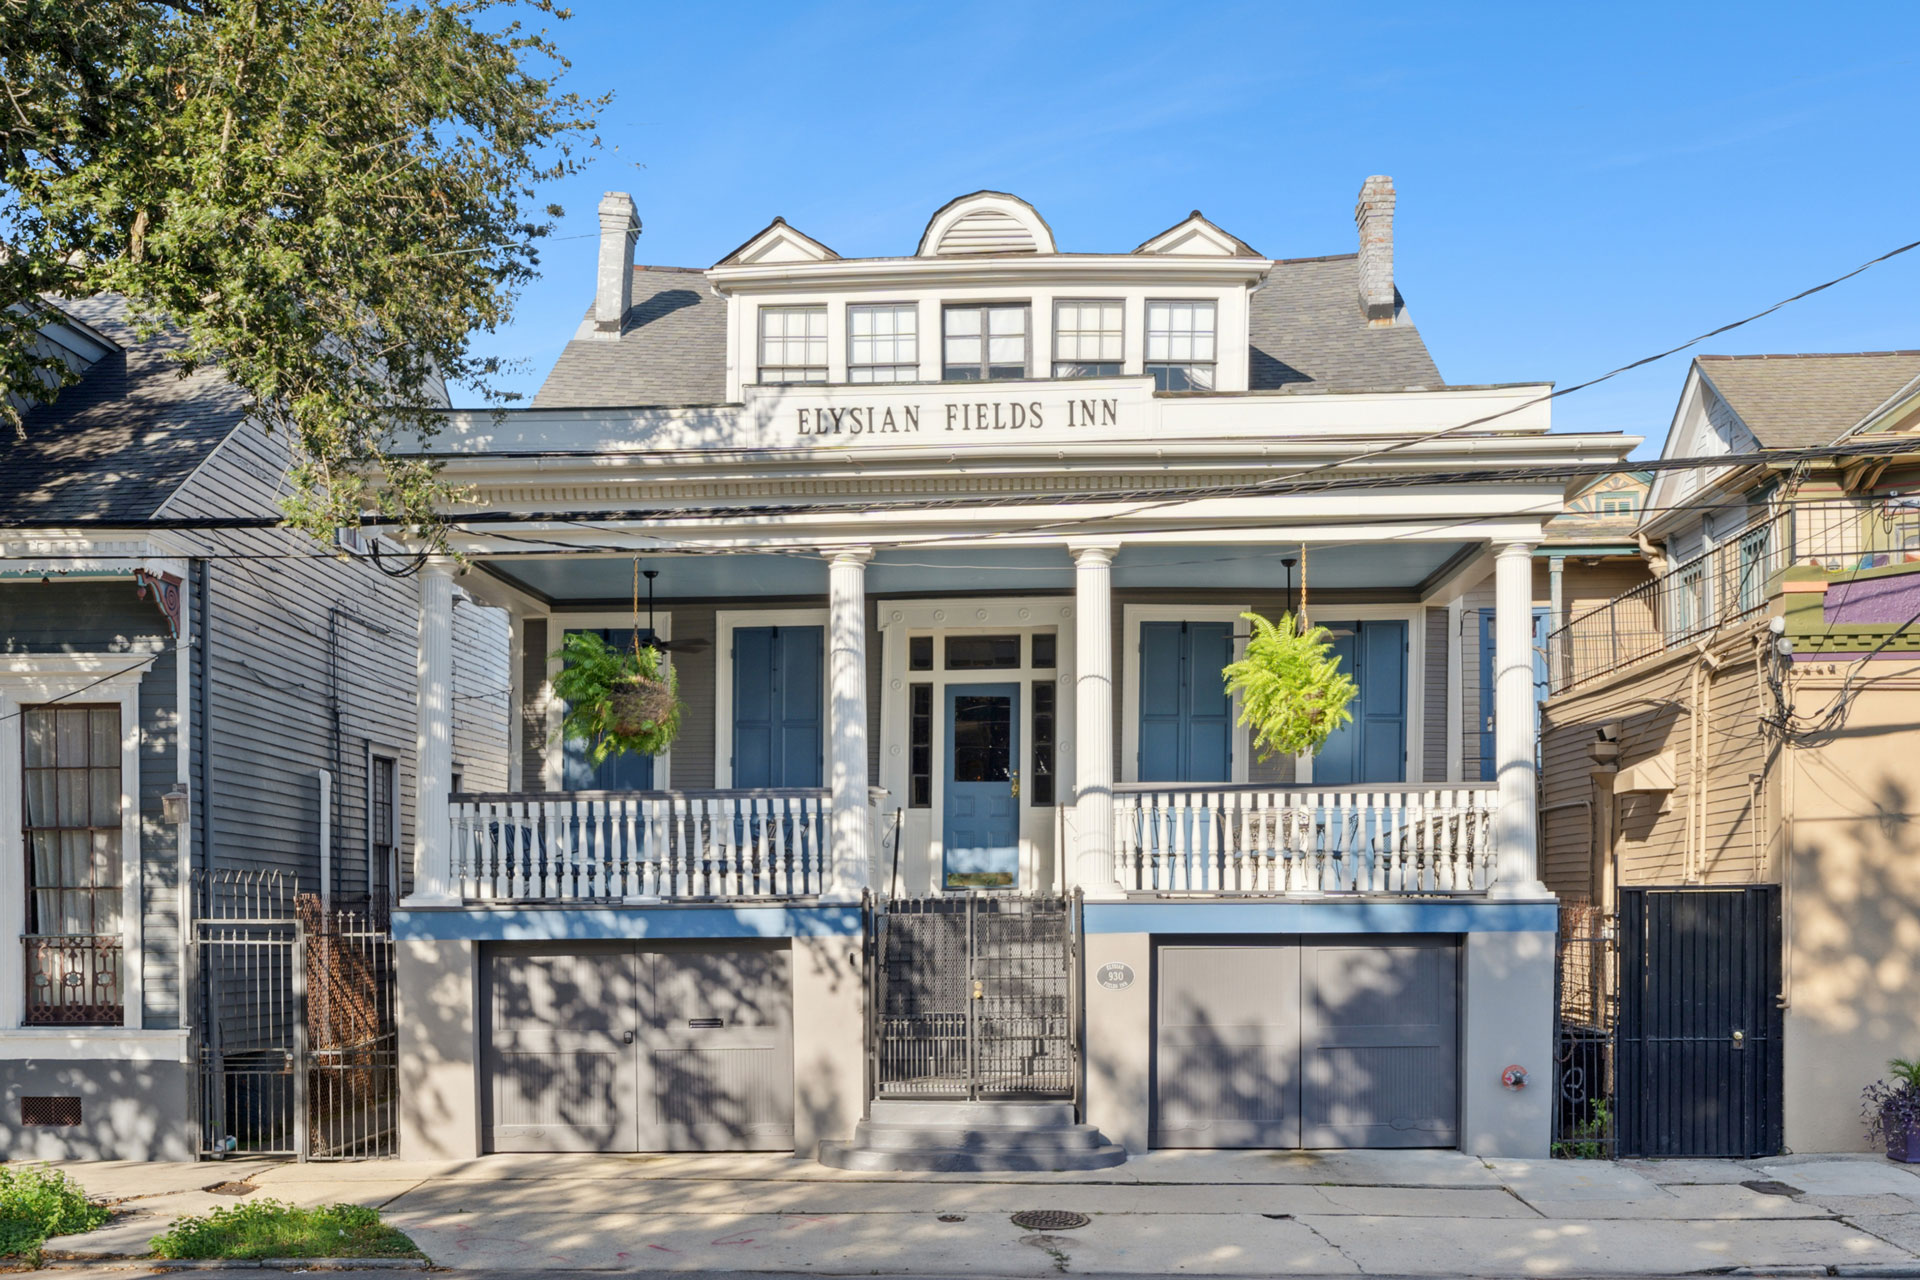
<point x="976" y="996"/>
<point x="296" y="1043"/>
<point x="1700" y="1043"/>
<point x="1586" y="1012"/>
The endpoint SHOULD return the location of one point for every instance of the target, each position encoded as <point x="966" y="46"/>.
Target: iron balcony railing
<point x="1730" y="582"/>
<point x="74" y="980"/>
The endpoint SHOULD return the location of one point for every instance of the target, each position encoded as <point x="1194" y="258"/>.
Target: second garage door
<point x="624" y="1047"/>
<point x="1316" y="1043"/>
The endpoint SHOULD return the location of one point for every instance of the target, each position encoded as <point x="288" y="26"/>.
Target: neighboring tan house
<point x="951" y="548"/>
<point x="1728" y="761"/>
<point x="195" y="726"/>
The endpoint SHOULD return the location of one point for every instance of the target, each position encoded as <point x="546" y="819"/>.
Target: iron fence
<point x="297" y="1054"/>
<point x="74" y="980"/>
<point x="1586" y="1006"/>
<point x="1732" y="581"/>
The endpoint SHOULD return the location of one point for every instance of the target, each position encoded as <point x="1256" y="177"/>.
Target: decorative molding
<point x="166" y="594"/>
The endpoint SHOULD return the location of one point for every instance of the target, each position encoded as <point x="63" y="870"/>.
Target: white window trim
<point x="80" y="678"/>
<point x="1132" y="616"/>
<point x="726" y="622"/>
<point x="1414" y="616"/>
<point x="553" y="772"/>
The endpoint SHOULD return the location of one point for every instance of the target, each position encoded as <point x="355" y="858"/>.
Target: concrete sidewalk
<point x="1198" y="1213"/>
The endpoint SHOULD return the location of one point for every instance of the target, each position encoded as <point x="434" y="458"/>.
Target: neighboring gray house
<point x="186" y="714"/>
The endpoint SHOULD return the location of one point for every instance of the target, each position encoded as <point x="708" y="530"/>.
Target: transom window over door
<point x="1087" y="338"/>
<point x="72" y="819"/>
<point x="1180" y="345"/>
<point x="985" y="343"/>
<point x="793" y="344"/>
<point x="883" y="343"/>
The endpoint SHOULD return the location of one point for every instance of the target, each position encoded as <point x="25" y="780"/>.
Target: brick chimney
<point x="1374" y="216"/>
<point x="619" y="226"/>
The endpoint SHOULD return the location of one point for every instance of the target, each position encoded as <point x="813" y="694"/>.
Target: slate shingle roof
<point x="1307" y="327"/>
<point x="118" y="443"/>
<point x="672" y="350"/>
<point x="1804" y="401"/>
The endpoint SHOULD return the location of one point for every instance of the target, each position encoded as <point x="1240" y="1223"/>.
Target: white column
<point x="1514" y="826"/>
<point x="1093" y="720"/>
<point x="847" y="714"/>
<point x="433" y="739"/>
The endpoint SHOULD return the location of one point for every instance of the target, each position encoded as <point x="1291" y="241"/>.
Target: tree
<point x="328" y="198"/>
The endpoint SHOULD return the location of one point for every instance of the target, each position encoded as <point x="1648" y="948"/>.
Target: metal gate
<point x="295" y="1041"/>
<point x="1586" y="1005"/>
<point x="1700" y="1049"/>
<point x="976" y="996"/>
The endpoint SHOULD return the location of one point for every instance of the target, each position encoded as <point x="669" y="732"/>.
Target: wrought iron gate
<point x="1586" y="1005"/>
<point x="296" y="1039"/>
<point x="1700" y="1043"/>
<point x="976" y="996"/>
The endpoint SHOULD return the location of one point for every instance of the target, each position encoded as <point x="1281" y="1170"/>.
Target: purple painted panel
<point x="1894" y="598"/>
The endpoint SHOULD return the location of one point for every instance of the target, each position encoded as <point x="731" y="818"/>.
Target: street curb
<point x="232" y="1264"/>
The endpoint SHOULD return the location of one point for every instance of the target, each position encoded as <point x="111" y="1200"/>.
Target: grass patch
<point x="271" y="1229"/>
<point x="37" y="1202"/>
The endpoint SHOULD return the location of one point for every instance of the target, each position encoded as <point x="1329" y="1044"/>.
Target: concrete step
<point x="847" y="1155"/>
<point x="914" y="1137"/>
<point x="967" y="1115"/>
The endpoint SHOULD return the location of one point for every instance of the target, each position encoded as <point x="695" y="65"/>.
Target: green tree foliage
<point x="328" y="198"/>
<point x="618" y="700"/>
<point x="1293" y="694"/>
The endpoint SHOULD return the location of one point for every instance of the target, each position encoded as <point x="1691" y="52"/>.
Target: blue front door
<point x="1373" y="747"/>
<point x="1186" y="717"/>
<point x="777" y="738"/>
<point x="981" y="819"/>
<point x="620" y="772"/>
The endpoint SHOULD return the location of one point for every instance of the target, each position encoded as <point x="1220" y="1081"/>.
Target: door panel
<point x="777" y="735"/>
<point x="1186" y="716"/>
<point x="1373" y="747"/>
<point x="1226" y="1070"/>
<point x="719" y="1050"/>
<point x="563" y="1076"/>
<point x="981" y="826"/>
<point x="1378" y="1045"/>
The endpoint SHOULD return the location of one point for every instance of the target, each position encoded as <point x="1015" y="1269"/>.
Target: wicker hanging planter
<point x="619" y="701"/>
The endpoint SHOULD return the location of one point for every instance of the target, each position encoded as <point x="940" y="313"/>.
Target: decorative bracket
<point x="166" y="594"/>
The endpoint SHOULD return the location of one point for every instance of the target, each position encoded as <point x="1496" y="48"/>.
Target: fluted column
<point x="847" y="714"/>
<point x="1515" y="825"/>
<point x="433" y="737"/>
<point x="1093" y="720"/>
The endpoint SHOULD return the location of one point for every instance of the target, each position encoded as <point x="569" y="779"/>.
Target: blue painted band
<point x="544" y="924"/>
<point x="1357" y="916"/>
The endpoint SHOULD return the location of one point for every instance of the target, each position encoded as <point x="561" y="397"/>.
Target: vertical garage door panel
<point x="719" y="1050"/>
<point x="1378" y="1045"/>
<point x="560" y="1075"/>
<point x="1228" y="1045"/>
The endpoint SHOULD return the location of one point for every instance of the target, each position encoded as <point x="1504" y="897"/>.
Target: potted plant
<point x="618" y="700"/>
<point x="1892" y="1111"/>
<point x="1293" y="694"/>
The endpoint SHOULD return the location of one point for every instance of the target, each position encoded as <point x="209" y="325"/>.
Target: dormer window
<point x="793" y="345"/>
<point x="1180" y="345"/>
<point x="883" y="343"/>
<point x="985" y="343"/>
<point x="1087" y="335"/>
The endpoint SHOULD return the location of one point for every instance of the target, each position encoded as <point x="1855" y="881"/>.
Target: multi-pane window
<point x="920" y="746"/>
<point x="983" y="343"/>
<point x="883" y="343"/>
<point x="1040" y="788"/>
<point x="1619" y="505"/>
<point x="1180" y="345"/>
<point x="383" y="828"/>
<point x="72" y="791"/>
<point x="793" y="344"/>
<point x="1087" y="338"/>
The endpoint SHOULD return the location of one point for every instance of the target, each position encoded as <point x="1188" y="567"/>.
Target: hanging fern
<point x="618" y="700"/>
<point x="1293" y="694"/>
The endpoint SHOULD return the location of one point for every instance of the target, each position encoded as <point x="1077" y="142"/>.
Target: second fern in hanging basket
<point x="1293" y="694"/>
<point x="619" y="701"/>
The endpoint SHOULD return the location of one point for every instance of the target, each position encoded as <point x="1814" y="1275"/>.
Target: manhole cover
<point x="953" y="1217"/>
<point x="1768" y="1187"/>
<point x="232" y="1188"/>
<point x="1049" y="1220"/>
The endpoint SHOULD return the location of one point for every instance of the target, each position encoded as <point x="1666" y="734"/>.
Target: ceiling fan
<point x="695" y="644"/>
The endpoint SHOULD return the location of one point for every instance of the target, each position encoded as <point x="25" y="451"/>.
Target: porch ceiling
<point x="587" y="578"/>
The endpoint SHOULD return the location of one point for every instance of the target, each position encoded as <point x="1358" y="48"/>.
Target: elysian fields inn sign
<point x="981" y="415"/>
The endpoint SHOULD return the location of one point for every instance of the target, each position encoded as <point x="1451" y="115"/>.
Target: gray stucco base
<point x="129" y="1110"/>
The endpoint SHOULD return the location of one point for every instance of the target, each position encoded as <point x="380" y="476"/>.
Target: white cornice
<point x="1077" y="270"/>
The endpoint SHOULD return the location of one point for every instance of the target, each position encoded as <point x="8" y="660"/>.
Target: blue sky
<point x="1579" y="185"/>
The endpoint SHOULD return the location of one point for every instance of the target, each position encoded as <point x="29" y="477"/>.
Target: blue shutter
<point x="1160" y="702"/>
<point x="776" y="707"/>
<point x="1209" y="727"/>
<point x="621" y="772"/>
<point x="1486" y="695"/>
<point x="1373" y="746"/>
<point x="1338" y="763"/>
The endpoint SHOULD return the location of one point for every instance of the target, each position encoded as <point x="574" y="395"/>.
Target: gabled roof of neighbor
<point x="1804" y="401"/>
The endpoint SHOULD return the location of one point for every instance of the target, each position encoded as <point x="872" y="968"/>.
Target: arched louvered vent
<point x="986" y="231"/>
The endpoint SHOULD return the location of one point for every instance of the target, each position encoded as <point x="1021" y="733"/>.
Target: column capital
<point x="1517" y="546"/>
<point x="1092" y="552"/>
<point x="850" y="555"/>
<point x="437" y="566"/>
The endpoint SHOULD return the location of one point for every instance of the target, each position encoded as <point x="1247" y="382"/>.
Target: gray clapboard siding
<point x="1433" y="729"/>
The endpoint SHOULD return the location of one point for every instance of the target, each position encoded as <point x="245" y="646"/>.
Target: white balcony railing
<point x="1194" y="838"/>
<point x="640" y="845"/>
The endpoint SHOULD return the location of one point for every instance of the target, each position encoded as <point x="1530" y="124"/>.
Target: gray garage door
<point x="1317" y="1043"/>
<point x="624" y="1047"/>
